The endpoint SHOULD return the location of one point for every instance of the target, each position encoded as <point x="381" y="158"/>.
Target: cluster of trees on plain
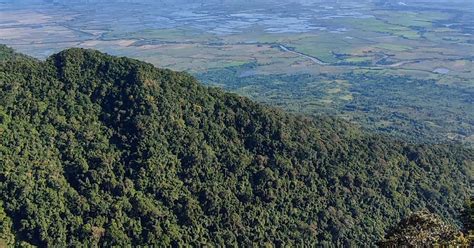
<point x="101" y="150"/>
<point x="410" y="108"/>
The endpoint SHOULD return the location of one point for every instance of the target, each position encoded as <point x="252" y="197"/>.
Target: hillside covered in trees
<point x="101" y="150"/>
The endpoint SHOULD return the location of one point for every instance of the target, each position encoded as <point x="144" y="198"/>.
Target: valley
<point x="346" y="50"/>
<point x="266" y="123"/>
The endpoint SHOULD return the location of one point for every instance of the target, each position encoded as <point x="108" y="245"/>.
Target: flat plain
<point x="399" y="68"/>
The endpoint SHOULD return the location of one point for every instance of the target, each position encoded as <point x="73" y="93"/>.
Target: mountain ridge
<point x="112" y="151"/>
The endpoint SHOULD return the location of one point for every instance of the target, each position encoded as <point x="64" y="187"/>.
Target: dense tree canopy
<point x="424" y="229"/>
<point x="103" y="150"/>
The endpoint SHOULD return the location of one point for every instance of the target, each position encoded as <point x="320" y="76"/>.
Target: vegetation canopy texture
<point x="424" y="229"/>
<point x="101" y="150"/>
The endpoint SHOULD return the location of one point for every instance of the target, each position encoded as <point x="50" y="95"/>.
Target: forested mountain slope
<point x="7" y="53"/>
<point x="103" y="150"/>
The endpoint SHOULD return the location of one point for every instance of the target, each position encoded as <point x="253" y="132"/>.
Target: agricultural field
<point x="395" y="67"/>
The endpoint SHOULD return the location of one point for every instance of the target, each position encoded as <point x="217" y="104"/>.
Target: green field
<point x="421" y="43"/>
